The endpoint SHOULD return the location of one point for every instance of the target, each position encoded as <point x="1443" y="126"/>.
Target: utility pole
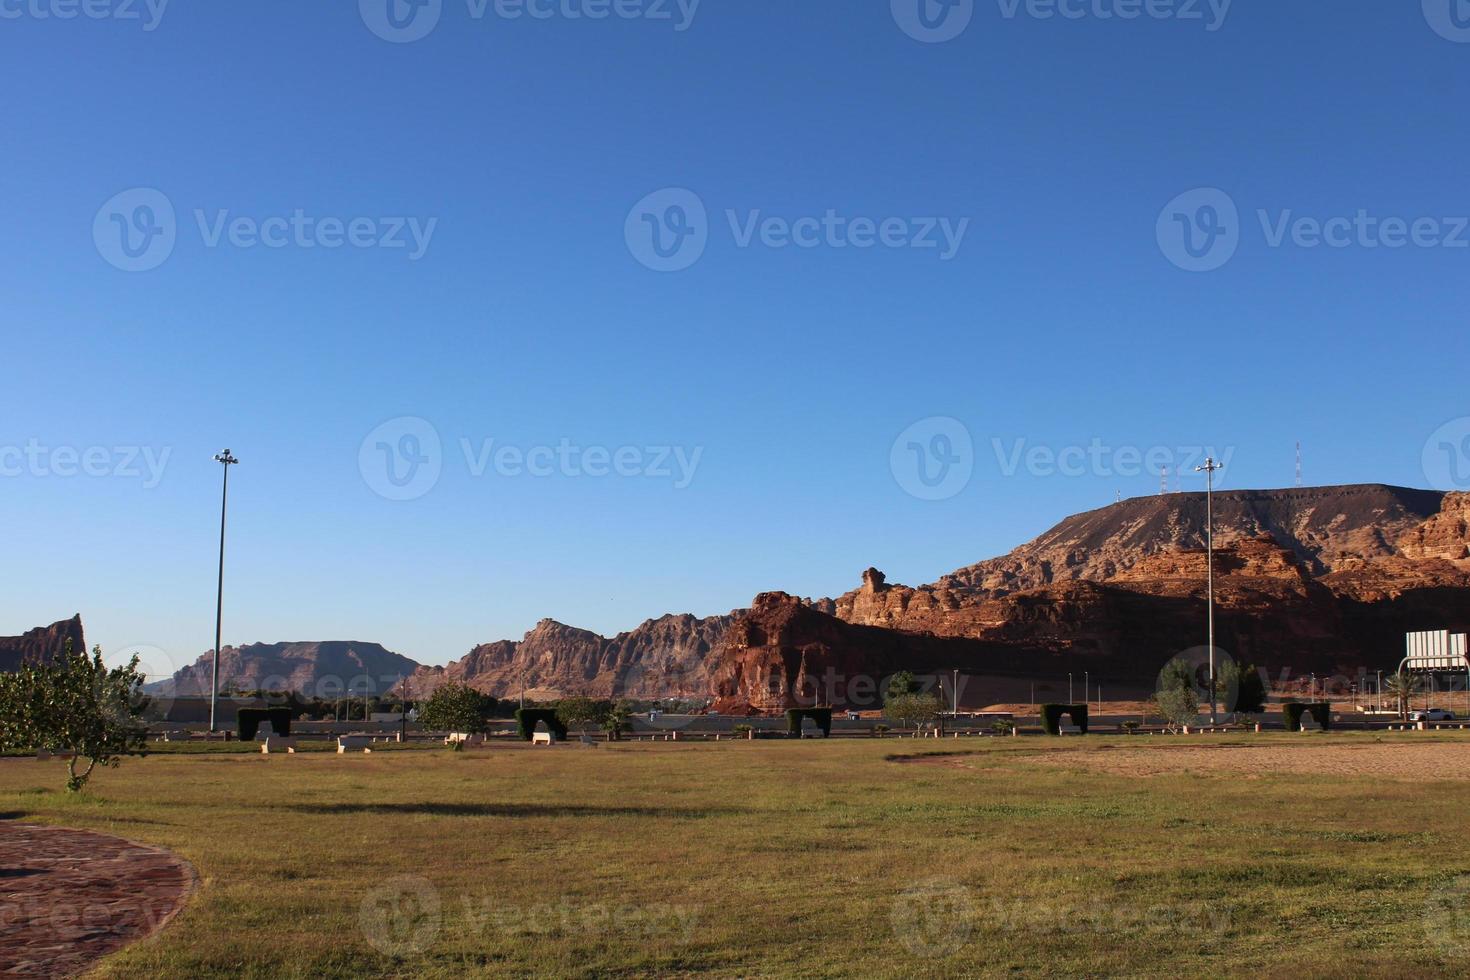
<point x="226" y="461"/>
<point x="1209" y="468"/>
<point x="1071" y="692"/>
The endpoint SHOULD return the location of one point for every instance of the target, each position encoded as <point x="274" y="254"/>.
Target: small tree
<point x="1250" y="689"/>
<point x="612" y="718"/>
<point x="1403" y="686"/>
<point x="578" y="712"/>
<point x="454" y="708"/>
<point x="911" y="710"/>
<point x="78" y="705"/>
<point x="1176" y="701"/>
<point x="900" y="684"/>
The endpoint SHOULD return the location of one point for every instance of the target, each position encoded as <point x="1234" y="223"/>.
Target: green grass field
<point x="789" y="859"/>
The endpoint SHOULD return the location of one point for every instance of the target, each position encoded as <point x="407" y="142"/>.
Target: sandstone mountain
<point x="42" y="643"/>
<point x="323" y="669"/>
<point x="1325" y="527"/>
<point x="662" y="658"/>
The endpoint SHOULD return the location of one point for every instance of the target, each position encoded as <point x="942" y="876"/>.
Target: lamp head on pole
<point x="225" y="458"/>
<point x="1209" y="466"/>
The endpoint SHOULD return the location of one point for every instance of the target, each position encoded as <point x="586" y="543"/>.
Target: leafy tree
<point x="454" y="708"/>
<point x="911" y="710"/>
<point x="1175" y="700"/>
<point x="1403" y="686"/>
<point x="900" y="684"/>
<point x="1250" y="689"/>
<point x="612" y="717"/>
<point x="75" y="704"/>
<point x="578" y="712"/>
<point x="1178" y="706"/>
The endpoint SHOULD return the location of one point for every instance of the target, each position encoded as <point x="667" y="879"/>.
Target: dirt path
<point x="70" y="897"/>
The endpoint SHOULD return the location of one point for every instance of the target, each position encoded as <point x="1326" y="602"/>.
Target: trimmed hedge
<point x="1292" y="711"/>
<point x="249" y="720"/>
<point x="526" y="719"/>
<point x="1051" y="717"/>
<point x="822" y="716"/>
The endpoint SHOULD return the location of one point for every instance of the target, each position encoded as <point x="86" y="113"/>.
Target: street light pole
<point x="226" y="461"/>
<point x="1209" y="468"/>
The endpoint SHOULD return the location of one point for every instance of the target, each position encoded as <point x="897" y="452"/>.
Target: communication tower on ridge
<point x="1299" y="463"/>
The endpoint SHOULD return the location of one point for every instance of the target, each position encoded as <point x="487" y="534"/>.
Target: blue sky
<point x="530" y="152"/>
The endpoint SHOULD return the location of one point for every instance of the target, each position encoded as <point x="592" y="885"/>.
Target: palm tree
<point x="1403" y="686"/>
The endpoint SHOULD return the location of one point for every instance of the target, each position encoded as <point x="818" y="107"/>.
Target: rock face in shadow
<point x="322" y="669"/>
<point x="41" y="644"/>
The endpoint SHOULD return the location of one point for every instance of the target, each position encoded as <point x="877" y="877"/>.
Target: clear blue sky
<point x="530" y="319"/>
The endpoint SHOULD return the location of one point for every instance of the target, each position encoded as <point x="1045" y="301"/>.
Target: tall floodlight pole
<point x="1209" y="468"/>
<point x="226" y="461"/>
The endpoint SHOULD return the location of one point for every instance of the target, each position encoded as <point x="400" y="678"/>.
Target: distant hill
<point x="324" y="668"/>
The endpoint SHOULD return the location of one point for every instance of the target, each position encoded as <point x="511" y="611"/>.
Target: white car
<point x="1432" y="714"/>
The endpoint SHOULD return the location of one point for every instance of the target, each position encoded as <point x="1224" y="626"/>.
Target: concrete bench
<point x="543" y="738"/>
<point x="464" y="738"/>
<point x="277" y="743"/>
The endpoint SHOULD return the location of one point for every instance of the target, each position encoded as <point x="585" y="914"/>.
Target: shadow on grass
<point x="509" y="810"/>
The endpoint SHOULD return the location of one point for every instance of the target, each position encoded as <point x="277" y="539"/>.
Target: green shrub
<point x="741" y="731"/>
<point x="1292" y="711"/>
<point x="822" y="716"/>
<point x="1130" y="727"/>
<point x="1002" y="726"/>
<point x="881" y="730"/>
<point x="527" y="719"/>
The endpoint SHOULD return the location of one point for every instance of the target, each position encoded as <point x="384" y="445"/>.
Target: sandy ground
<point x="1166" y="755"/>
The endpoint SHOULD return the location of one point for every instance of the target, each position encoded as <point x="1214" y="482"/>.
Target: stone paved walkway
<point x="70" y="897"/>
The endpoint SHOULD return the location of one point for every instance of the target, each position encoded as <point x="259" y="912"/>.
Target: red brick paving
<point x="70" y="897"/>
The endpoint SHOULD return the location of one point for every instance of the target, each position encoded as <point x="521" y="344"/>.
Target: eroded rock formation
<point x="42" y="643"/>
